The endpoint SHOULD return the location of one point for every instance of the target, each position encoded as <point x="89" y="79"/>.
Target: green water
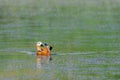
<point x="90" y="28"/>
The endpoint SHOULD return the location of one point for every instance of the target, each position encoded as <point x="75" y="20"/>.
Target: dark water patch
<point x="100" y="69"/>
<point x="101" y="60"/>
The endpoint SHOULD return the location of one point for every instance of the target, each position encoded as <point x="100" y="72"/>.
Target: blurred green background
<point x="70" y="26"/>
<point x="84" y="33"/>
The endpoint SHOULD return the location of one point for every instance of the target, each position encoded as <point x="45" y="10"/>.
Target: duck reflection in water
<point x="43" y="53"/>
